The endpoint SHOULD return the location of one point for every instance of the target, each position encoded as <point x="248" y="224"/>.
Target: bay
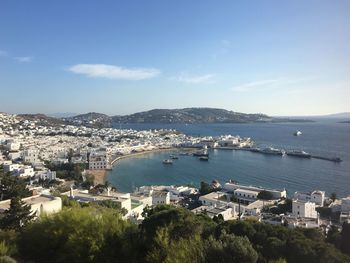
<point x="325" y="138"/>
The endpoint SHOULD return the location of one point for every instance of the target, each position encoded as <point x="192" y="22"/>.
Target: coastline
<point x="100" y="176"/>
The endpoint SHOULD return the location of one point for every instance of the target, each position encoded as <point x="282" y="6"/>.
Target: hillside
<point x="91" y="119"/>
<point x="41" y="119"/>
<point x="189" y="115"/>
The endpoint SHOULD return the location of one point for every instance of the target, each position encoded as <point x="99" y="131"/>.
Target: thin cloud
<point x="257" y="84"/>
<point x="114" y="72"/>
<point x="201" y="79"/>
<point x="24" y="59"/>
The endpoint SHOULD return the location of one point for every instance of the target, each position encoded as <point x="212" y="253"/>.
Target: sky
<point x="285" y="58"/>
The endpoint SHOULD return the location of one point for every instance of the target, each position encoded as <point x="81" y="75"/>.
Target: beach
<point x="100" y="176"/>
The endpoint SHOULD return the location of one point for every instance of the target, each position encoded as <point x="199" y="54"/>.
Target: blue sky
<point x="120" y="57"/>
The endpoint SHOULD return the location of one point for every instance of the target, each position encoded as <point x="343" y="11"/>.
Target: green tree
<point x="265" y="195"/>
<point x="12" y="186"/>
<point x="18" y="215"/>
<point x="333" y="196"/>
<point x="333" y="236"/>
<point x="229" y="248"/>
<point x="205" y="188"/>
<point x="77" y="235"/>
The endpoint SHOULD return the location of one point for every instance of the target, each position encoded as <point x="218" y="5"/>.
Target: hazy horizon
<point x="288" y="58"/>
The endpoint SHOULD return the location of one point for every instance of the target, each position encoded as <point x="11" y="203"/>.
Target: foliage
<point x="229" y="248"/>
<point x="205" y="188"/>
<point x="333" y="196"/>
<point x="8" y="242"/>
<point x="74" y="235"/>
<point x="12" y="186"/>
<point x="113" y="205"/>
<point x="88" y="182"/>
<point x="7" y="259"/>
<point x="282" y="208"/>
<point x="265" y="195"/>
<point x="168" y="234"/>
<point x="18" y="215"/>
<point x="68" y="171"/>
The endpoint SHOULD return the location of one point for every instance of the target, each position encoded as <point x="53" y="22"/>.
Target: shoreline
<point x="102" y="177"/>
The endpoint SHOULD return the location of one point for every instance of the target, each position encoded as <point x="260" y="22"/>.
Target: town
<point x="39" y="154"/>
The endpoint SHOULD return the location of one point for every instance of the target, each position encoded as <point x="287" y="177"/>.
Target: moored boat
<point x="297" y="133"/>
<point x="272" y="151"/>
<point x="167" y="161"/>
<point x="300" y="154"/>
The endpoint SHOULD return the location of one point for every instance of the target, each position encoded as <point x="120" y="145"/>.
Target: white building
<point x="14" y="156"/>
<point x="227" y="213"/>
<point x="24" y="171"/>
<point x="276" y="194"/>
<point x="214" y="199"/>
<point x="98" y="161"/>
<point x="304" y="209"/>
<point x="245" y="195"/>
<point x="40" y="204"/>
<point x="46" y="175"/>
<point x="10" y="167"/>
<point x="160" y="198"/>
<point x="345" y="204"/>
<point x="12" y="145"/>
<point x="316" y="197"/>
<point x="31" y="156"/>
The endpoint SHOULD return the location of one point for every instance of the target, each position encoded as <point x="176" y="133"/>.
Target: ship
<point x="167" y="161"/>
<point x="297" y="133"/>
<point x="174" y="157"/>
<point x="201" y="154"/>
<point x="204" y="158"/>
<point x="272" y="151"/>
<point x="301" y="154"/>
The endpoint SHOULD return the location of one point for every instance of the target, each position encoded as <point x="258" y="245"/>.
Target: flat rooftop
<point x="4" y="205"/>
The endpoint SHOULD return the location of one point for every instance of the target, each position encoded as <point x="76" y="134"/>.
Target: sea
<point x="327" y="138"/>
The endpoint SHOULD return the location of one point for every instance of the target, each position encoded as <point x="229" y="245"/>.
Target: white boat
<point x="271" y="150"/>
<point x="297" y="133"/>
<point x="168" y="161"/>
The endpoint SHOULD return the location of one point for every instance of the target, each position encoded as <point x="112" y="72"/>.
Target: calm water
<point x="324" y="138"/>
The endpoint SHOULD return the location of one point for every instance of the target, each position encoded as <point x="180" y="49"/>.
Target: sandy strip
<point x="99" y="176"/>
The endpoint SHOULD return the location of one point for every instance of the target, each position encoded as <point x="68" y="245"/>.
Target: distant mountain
<point x="341" y="115"/>
<point x="41" y="119"/>
<point x="186" y="115"/>
<point x="91" y="119"/>
<point x="190" y="115"/>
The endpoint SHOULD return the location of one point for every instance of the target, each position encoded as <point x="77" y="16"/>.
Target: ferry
<point x="167" y="161"/>
<point x="301" y="154"/>
<point x="201" y="153"/>
<point x="271" y="150"/>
